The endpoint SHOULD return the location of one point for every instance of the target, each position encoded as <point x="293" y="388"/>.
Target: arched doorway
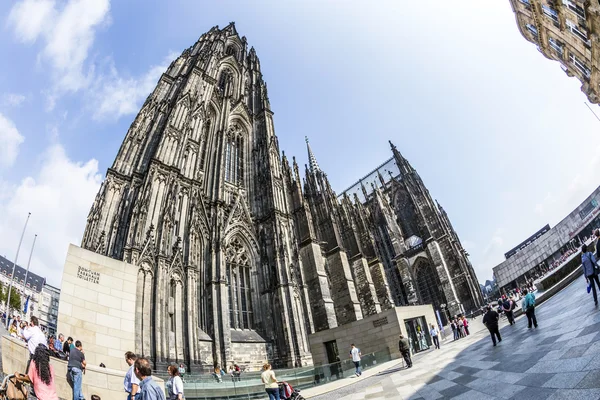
<point x="429" y="286"/>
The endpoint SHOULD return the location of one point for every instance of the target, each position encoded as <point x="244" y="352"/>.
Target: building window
<point x="550" y="13"/>
<point x="234" y="156"/>
<point x="575" y="8"/>
<point x="238" y="278"/>
<point x="532" y="29"/>
<point x="557" y="46"/>
<point x="578" y="31"/>
<point x="580" y="65"/>
<point x="526" y="3"/>
<point x="225" y="80"/>
<point x="204" y="144"/>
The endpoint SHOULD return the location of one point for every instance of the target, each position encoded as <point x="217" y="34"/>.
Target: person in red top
<point x="40" y="374"/>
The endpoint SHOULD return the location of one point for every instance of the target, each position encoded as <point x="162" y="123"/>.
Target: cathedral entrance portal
<point x="429" y="285"/>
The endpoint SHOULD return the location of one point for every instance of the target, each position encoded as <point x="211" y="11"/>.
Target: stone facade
<point x="566" y="31"/>
<point x="236" y="257"/>
<point x="373" y="334"/>
<point x="98" y="306"/>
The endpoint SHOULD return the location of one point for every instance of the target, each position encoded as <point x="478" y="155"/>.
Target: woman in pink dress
<point x="41" y="375"/>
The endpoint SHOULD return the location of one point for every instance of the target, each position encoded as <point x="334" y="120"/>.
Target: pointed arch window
<point x="225" y="79"/>
<point x="205" y="136"/>
<point x="234" y="156"/>
<point x="238" y="278"/>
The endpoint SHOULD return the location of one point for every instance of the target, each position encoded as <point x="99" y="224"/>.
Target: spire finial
<point x="312" y="160"/>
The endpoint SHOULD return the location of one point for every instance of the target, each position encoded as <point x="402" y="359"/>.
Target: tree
<point x="15" y="300"/>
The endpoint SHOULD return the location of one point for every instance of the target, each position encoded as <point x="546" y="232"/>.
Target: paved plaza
<point x="558" y="360"/>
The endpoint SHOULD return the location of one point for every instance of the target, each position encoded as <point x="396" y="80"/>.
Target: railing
<point x="248" y="385"/>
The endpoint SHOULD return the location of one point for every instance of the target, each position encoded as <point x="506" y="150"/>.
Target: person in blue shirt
<point x="590" y="271"/>
<point x="529" y="307"/>
<point x="149" y="390"/>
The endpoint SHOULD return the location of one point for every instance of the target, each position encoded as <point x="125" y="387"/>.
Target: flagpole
<point x="29" y="263"/>
<point x="12" y="276"/>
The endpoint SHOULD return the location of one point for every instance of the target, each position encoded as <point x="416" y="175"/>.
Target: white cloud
<point x="59" y="199"/>
<point x="13" y="99"/>
<point x="10" y="140"/>
<point x="67" y="32"/>
<point x="115" y="96"/>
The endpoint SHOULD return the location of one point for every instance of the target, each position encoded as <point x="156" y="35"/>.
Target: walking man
<point x="508" y="306"/>
<point x="490" y="320"/>
<point x="529" y="307"/>
<point x="590" y="271"/>
<point x="454" y="327"/>
<point x="75" y="369"/>
<point x="405" y="350"/>
<point x="355" y="354"/>
<point x="434" y="335"/>
<point x="131" y="382"/>
<point x="149" y="390"/>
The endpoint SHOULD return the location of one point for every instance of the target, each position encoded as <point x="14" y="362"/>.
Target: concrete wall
<point x="106" y="383"/>
<point x="548" y="244"/>
<point x="372" y="334"/>
<point x="97" y="306"/>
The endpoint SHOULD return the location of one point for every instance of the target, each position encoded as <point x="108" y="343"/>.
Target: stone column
<point x="347" y="306"/>
<point x="147" y="315"/>
<point x="382" y="288"/>
<point x="365" y="287"/>
<point x="139" y="313"/>
<point x="178" y="321"/>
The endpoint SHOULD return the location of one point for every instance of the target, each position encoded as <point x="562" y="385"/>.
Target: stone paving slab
<point x="558" y="360"/>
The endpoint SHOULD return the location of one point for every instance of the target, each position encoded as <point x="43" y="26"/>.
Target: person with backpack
<point x="529" y="308"/>
<point x="508" y="306"/>
<point x="590" y="270"/>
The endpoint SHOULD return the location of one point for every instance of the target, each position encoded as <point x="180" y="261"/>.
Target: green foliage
<point x="15" y="301"/>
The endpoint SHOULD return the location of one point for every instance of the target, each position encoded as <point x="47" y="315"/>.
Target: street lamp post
<point x="13" y="270"/>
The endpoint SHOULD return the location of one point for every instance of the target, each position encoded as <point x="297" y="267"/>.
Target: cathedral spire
<point x="314" y="166"/>
<point x="403" y="164"/>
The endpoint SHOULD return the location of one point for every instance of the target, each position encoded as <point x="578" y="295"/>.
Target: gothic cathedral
<point x="239" y="260"/>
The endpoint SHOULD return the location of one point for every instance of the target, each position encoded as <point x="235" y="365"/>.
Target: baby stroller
<point x="287" y="392"/>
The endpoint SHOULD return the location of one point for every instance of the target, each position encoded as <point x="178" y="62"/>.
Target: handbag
<point x="16" y="390"/>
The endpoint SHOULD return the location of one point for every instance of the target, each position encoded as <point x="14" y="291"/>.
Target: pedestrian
<point x="405" y="350"/>
<point x="34" y="336"/>
<point x="75" y="369"/>
<point x="182" y="372"/>
<point x="58" y="343"/>
<point x="461" y="327"/>
<point x="529" y="308"/>
<point x="68" y="345"/>
<point x="454" y="328"/>
<point x="466" y="325"/>
<point x="508" y="306"/>
<point x="434" y="336"/>
<point x="149" y="390"/>
<point x="270" y="382"/>
<point x="355" y="354"/>
<point x="175" y="383"/>
<point x="40" y="374"/>
<point x="590" y="270"/>
<point x="490" y="320"/>
<point x="131" y="383"/>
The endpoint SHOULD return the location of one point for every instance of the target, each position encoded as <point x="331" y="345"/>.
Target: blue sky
<point x="500" y="135"/>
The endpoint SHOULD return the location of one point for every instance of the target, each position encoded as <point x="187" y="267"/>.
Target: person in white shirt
<point x="34" y="336"/>
<point x="355" y="354"/>
<point x="175" y="384"/>
<point x="131" y="383"/>
<point x="434" y="335"/>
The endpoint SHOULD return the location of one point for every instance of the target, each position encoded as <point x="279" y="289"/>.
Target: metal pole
<point x="28" y="263"/>
<point x="13" y="270"/>
<point x="588" y="106"/>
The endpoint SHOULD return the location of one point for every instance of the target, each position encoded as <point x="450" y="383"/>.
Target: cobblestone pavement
<point x="558" y="360"/>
